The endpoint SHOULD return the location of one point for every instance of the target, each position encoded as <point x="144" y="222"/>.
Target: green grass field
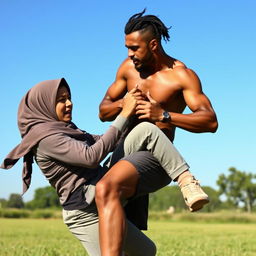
<point x="50" y="237"/>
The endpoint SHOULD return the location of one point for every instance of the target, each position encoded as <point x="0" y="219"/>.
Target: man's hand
<point x="150" y="109"/>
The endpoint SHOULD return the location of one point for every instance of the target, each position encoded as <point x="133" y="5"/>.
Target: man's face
<point x="138" y="50"/>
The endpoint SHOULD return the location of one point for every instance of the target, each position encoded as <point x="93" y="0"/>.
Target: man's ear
<point x="153" y="44"/>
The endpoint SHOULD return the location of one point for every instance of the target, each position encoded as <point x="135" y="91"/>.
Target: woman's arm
<point x="74" y="152"/>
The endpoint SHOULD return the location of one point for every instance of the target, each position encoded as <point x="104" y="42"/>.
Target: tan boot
<point x="194" y="196"/>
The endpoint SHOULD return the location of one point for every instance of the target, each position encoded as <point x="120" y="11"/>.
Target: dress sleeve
<point x="77" y="153"/>
<point x="120" y="123"/>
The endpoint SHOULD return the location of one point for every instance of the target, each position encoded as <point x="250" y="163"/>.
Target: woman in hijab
<point x="70" y="160"/>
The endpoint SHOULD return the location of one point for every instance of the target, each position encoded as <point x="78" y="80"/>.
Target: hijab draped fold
<point x="37" y="119"/>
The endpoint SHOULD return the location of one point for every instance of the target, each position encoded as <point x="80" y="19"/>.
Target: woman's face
<point x="63" y="105"/>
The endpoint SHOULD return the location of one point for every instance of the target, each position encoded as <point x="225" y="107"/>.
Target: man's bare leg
<point x="110" y="190"/>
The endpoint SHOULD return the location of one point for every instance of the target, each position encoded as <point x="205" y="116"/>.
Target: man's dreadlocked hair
<point x="147" y="22"/>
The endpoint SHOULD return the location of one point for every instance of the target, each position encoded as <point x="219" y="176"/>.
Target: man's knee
<point x="146" y="130"/>
<point x="135" y="140"/>
<point x="105" y="191"/>
<point x="146" y="126"/>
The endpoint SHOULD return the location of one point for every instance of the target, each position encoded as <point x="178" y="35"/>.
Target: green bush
<point x="14" y="213"/>
<point x="36" y="214"/>
<point x="217" y="217"/>
<point x="44" y="214"/>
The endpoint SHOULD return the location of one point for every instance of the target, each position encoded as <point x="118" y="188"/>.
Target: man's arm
<point x="112" y="103"/>
<point x="202" y="118"/>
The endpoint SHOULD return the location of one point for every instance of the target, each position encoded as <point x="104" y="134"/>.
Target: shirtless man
<point x="168" y="83"/>
<point x="165" y="86"/>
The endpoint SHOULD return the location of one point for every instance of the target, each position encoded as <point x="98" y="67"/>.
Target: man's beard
<point x="143" y="68"/>
<point x="140" y="67"/>
<point x="144" y="65"/>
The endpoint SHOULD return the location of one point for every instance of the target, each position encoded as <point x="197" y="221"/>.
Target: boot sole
<point x="198" y="204"/>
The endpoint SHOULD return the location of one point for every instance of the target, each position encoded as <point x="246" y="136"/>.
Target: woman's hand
<point x="130" y="102"/>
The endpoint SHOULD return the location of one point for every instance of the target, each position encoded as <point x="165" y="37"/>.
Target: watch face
<point x="166" y="115"/>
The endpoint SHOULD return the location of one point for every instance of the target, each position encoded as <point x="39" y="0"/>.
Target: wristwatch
<point x="166" y="117"/>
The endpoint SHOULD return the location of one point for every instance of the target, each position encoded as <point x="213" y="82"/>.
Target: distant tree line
<point x="235" y="190"/>
<point x="171" y="197"/>
<point x="43" y="198"/>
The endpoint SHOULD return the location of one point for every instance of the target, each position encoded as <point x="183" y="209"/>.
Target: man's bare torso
<point x="163" y="86"/>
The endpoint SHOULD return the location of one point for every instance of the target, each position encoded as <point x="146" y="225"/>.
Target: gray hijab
<point x="37" y="119"/>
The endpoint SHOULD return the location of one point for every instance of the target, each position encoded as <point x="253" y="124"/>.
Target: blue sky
<point x="83" y="41"/>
